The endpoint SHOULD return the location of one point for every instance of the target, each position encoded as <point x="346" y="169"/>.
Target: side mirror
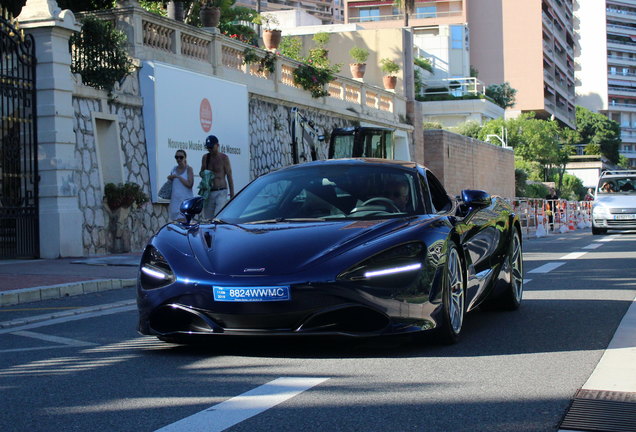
<point x="191" y="207"/>
<point x="476" y="199"/>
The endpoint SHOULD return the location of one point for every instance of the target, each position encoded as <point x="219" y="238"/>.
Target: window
<point x="370" y="14"/>
<point x="625" y="71"/>
<point x="612" y="70"/>
<point x="457" y="37"/>
<point x="426" y="12"/>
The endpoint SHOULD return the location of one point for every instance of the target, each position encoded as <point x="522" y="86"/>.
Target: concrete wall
<point x="466" y="163"/>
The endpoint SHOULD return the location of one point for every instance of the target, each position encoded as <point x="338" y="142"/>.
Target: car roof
<point x="618" y="173"/>
<point x="358" y="161"/>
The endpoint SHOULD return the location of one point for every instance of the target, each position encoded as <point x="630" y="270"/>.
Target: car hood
<point x="617" y="200"/>
<point x="283" y="248"/>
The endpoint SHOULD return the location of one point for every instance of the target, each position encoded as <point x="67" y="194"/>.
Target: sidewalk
<point x="24" y="281"/>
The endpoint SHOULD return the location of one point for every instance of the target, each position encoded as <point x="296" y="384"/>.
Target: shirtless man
<point x="219" y="164"/>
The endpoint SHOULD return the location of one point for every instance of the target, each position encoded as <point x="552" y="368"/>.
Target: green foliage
<point x="474" y="72"/>
<point x="419" y="85"/>
<point x="536" y="190"/>
<point x="521" y="177"/>
<point x="470" y="129"/>
<point x="291" y="47"/>
<point x="230" y="24"/>
<point x="424" y="63"/>
<point x="358" y="54"/>
<point x="599" y="132"/>
<point x="99" y="53"/>
<point x="152" y="6"/>
<point x="502" y="94"/>
<point x="124" y="195"/>
<point x="389" y="67"/>
<point x="571" y="188"/>
<point x="268" y="21"/>
<point x="443" y="97"/>
<point x="321" y="39"/>
<point x="265" y="63"/>
<point x="313" y="79"/>
<point x="431" y="125"/>
<point x="533" y="170"/>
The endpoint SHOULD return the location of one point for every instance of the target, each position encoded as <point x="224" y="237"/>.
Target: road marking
<point x="53" y="339"/>
<point x="68" y="318"/>
<point x="594" y="245"/>
<point x="39" y="309"/>
<point x="545" y="268"/>
<point x="573" y="255"/>
<point x="609" y="239"/>
<point x="233" y="411"/>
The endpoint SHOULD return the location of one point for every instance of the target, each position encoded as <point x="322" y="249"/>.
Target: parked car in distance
<point x="614" y="205"/>
<point x="351" y="247"/>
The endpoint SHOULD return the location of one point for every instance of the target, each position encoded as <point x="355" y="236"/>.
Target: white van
<point x="614" y="205"/>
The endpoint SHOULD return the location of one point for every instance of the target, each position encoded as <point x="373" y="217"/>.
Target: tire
<point x="598" y="231"/>
<point x="513" y="291"/>
<point x="453" y="299"/>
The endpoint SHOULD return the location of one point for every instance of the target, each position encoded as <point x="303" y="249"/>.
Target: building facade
<point x="529" y="44"/>
<point x="327" y="11"/>
<point x="606" y="64"/>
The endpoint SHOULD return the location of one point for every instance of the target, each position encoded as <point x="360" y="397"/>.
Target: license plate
<point x="251" y="294"/>
<point x="624" y="217"/>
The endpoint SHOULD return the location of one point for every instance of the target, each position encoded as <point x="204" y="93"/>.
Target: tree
<point x="502" y="94"/>
<point x="406" y="6"/>
<point x="601" y="134"/>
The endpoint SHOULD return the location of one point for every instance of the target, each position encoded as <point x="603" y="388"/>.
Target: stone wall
<point x="465" y="163"/>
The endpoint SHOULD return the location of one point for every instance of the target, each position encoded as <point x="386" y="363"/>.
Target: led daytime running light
<point x="154" y="273"/>
<point x="393" y="270"/>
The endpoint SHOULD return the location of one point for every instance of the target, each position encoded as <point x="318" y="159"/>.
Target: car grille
<point x="622" y="223"/>
<point x="622" y="210"/>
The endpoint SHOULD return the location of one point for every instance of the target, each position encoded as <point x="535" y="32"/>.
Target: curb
<point x="34" y="294"/>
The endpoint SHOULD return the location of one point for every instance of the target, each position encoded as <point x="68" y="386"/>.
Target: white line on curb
<point x="233" y="411"/>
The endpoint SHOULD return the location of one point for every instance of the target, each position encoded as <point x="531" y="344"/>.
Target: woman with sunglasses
<point x="182" y="178"/>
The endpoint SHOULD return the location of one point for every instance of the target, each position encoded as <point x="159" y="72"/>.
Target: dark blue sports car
<point x="355" y="247"/>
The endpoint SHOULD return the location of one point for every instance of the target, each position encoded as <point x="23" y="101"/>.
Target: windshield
<point x="624" y="185"/>
<point x="323" y="193"/>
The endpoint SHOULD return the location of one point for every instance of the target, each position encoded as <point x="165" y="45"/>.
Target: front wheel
<point x="511" y="298"/>
<point x="453" y="299"/>
<point x="598" y="231"/>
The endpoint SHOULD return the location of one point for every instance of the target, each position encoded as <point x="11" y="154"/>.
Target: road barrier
<point x="542" y="217"/>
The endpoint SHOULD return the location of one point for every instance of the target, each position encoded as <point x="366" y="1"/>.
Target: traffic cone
<point x="571" y="226"/>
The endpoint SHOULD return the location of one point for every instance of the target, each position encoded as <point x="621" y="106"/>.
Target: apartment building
<point x="327" y="11"/>
<point x="606" y="64"/>
<point x="529" y="44"/>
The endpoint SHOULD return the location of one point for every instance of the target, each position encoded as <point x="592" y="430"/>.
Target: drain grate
<point x="601" y="411"/>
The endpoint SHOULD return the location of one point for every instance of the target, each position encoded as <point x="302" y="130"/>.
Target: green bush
<point x="291" y="47"/>
<point x="359" y="55"/>
<point x="124" y="195"/>
<point x="99" y="54"/>
<point x="424" y="63"/>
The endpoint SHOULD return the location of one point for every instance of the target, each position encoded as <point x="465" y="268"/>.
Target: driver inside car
<point x="398" y="192"/>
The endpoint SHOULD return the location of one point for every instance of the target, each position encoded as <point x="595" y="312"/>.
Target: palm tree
<point x="407" y="6"/>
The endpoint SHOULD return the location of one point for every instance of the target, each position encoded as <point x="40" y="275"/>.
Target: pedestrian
<point x="550" y="206"/>
<point x="182" y="177"/>
<point x="589" y="196"/>
<point x="219" y="175"/>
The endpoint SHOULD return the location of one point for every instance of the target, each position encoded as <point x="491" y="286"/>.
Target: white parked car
<point x="614" y="204"/>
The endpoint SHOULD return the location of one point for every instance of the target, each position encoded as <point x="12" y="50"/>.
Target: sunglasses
<point x="179" y="157"/>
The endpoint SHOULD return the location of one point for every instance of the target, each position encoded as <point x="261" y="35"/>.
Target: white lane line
<point x="609" y="239"/>
<point x="545" y="268"/>
<point x="573" y="255"/>
<point x="53" y="339"/>
<point x="67" y="319"/>
<point x="233" y="411"/>
<point x="593" y="245"/>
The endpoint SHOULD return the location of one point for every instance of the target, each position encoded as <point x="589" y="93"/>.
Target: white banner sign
<point x="181" y="108"/>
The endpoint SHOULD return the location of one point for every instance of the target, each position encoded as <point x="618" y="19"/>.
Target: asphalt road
<point x="512" y="371"/>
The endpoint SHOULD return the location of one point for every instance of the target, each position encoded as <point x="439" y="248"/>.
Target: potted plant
<point x="271" y="33"/>
<point x="390" y="68"/>
<point x="210" y="13"/>
<point x="119" y="199"/>
<point x="319" y="53"/>
<point x="359" y="56"/>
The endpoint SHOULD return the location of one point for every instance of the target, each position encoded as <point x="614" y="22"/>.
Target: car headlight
<point x="600" y="211"/>
<point x="403" y="260"/>
<point x="155" y="272"/>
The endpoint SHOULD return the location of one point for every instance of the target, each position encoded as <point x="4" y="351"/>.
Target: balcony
<point x="153" y="37"/>
<point x="621" y="13"/>
<point x="621" y="46"/>
<point x="614" y="60"/>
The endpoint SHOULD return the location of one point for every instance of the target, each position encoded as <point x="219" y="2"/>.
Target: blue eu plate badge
<point x="251" y="294"/>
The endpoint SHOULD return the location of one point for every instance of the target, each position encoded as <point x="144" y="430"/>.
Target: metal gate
<point x="19" y="236"/>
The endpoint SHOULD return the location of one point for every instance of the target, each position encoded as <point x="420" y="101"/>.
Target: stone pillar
<point x="60" y="217"/>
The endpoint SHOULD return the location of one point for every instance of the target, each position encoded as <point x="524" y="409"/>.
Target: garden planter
<point x="271" y="39"/>
<point x="389" y="82"/>
<point x="358" y="69"/>
<point x="210" y="16"/>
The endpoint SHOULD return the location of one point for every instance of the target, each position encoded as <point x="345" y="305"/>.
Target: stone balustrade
<point x="156" y="38"/>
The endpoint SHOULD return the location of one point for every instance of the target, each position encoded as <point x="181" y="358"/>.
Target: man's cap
<point x="211" y="140"/>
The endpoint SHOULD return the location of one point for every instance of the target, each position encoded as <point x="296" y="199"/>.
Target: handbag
<point x="166" y="190"/>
